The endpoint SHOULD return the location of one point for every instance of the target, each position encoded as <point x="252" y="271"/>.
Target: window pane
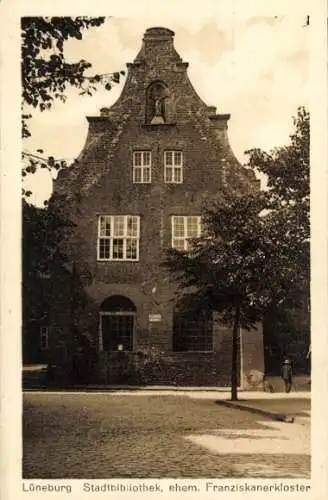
<point x="137" y="174"/>
<point x="179" y="244"/>
<point x="104" y="248"/>
<point x="137" y="158"/>
<point x="168" y="174"/>
<point x="178" y="227"/>
<point x="177" y="174"/>
<point x="118" y="225"/>
<point x="192" y="227"/>
<point x="168" y="158"/>
<point x="132" y="226"/>
<point x="118" y="249"/>
<point x="146" y="174"/>
<point x="146" y="158"/>
<point x="104" y="226"/>
<point x="177" y="158"/>
<point x="131" y="249"/>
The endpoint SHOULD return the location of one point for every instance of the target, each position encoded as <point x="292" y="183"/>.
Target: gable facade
<point x="149" y="165"/>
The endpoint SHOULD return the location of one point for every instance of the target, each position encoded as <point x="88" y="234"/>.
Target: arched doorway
<point x="117" y="321"/>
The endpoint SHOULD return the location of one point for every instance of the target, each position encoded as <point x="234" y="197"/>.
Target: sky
<point x="254" y="67"/>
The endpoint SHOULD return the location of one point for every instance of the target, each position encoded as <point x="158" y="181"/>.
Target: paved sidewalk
<point x="190" y="392"/>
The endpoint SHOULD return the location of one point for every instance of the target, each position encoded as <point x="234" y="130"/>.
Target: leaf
<point x="51" y="161"/>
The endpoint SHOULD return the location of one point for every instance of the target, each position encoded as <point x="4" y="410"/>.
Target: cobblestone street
<point x="74" y="435"/>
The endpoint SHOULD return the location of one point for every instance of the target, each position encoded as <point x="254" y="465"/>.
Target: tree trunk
<point x="234" y="363"/>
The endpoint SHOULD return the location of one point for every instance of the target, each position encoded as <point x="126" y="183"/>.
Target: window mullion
<point x="125" y="235"/>
<point x="185" y="229"/>
<point x="111" y="242"/>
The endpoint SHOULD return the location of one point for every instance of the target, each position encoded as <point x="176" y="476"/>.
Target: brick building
<point x="149" y="164"/>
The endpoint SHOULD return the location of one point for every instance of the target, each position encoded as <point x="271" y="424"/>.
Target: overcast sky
<point x="253" y="67"/>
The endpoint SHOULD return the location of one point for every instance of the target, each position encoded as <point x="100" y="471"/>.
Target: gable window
<point x="184" y="228"/>
<point x="118" y="237"/>
<point x="43" y="338"/>
<point x="142" y="167"/>
<point x="173" y="161"/>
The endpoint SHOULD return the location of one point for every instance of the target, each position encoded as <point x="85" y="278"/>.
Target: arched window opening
<point x="192" y="327"/>
<point x="117" y="320"/>
<point x="156" y="103"/>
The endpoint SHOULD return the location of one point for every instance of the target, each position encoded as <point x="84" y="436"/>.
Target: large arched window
<point x="156" y="103"/>
<point x="192" y="327"/>
<point x="117" y="319"/>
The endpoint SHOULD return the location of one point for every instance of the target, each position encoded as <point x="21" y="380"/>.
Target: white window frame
<point x="142" y="168"/>
<point x="125" y="237"/>
<point x="43" y="334"/>
<point x="185" y="238"/>
<point x="173" y="166"/>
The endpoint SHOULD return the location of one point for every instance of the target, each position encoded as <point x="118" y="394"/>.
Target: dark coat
<point x="286" y="372"/>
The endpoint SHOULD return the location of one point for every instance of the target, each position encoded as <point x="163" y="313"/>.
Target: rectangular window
<point x="142" y="167"/>
<point x="184" y="228"/>
<point x="118" y="237"/>
<point x="43" y="338"/>
<point x="173" y="163"/>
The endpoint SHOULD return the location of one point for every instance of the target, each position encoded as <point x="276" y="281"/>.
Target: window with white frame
<point x="142" y="167"/>
<point x="184" y="228"/>
<point x="173" y="163"/>
<point x="118" y="237"/>
<point x="43" y="338"/>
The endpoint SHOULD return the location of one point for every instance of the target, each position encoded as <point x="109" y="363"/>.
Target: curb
<point x="278" y="417"/>
<point x="118" y="388"/>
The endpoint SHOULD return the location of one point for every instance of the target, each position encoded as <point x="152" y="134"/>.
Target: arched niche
<point x="157" y="95"/>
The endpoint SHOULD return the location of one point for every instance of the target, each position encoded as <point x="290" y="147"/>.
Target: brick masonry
<point x="101" y="183"/>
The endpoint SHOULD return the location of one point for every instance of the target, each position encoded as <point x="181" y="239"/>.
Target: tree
<point x="226" y="269"/>
<point x="47" y="75"/>
<point x="43" y="230"/>
<point x="287" y="170"/>
<point x="253" y="255"/>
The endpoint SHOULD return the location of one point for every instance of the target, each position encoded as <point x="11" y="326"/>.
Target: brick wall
<point x="101" y="183"/>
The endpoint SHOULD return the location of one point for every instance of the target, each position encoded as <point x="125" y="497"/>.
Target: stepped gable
<point x="158" y="72"/>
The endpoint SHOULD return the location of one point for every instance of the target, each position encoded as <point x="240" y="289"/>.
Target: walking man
<point x="287" y="375"/>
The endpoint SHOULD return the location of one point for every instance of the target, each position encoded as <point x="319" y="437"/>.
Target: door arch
<point x="117" y="323"/>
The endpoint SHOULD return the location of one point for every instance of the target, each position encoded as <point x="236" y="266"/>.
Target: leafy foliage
<point x="223" y="261"/>
<point x="43" y="230"/>
<point x="227" y="267"/>
<point x="288" y="228"/>
<point x="47" y="74"/>
<point x="253" y="256"/>
<point x="287" y="168"/>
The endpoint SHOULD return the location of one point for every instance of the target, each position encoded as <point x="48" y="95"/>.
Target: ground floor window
<point x="192" y="329"/>
<point x="117" y="322"/>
